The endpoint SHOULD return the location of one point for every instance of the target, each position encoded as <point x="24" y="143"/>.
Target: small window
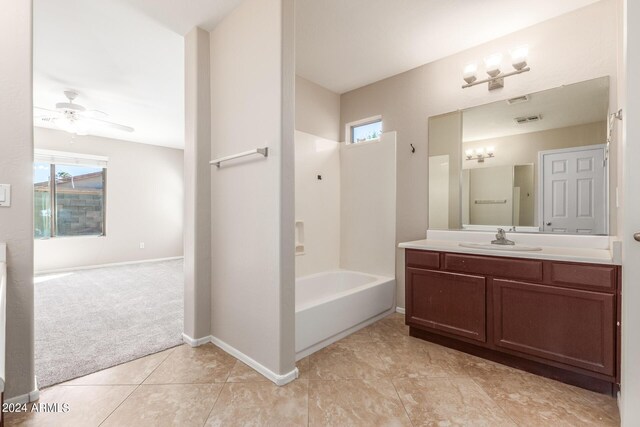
<point x="368" y="130"/>
<point x="69" y="196"/>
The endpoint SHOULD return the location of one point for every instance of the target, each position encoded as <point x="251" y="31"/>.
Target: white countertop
<point x="594" y="255"/>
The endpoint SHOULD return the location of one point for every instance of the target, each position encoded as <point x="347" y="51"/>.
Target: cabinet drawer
<point x="509" y="268"/>
<point x="448" y="302"/>
<point x="596" y="277"/>
<point x="565" y="325"/>
<point x="422" y="259"/>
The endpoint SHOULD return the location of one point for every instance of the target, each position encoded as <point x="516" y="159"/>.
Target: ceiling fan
<point x="74" y="118"/>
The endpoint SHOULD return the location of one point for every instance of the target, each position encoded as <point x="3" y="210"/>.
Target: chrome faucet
<point x="501" y="238"/>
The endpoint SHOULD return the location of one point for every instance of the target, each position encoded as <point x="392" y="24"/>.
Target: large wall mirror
<point x="535" y="163"/>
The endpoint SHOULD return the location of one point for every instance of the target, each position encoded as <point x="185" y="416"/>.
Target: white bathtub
<point x="334" y="304"/>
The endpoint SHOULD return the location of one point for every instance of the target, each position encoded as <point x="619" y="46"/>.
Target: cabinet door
<point x="566" y="325"/>
<point x="449" y="302"/>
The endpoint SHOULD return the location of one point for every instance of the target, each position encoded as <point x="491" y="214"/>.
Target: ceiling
<point x="124" y="57"/>
<point x="343" y="45"/>
<point x="571" y="105"/>
<point x="181" y="16"/>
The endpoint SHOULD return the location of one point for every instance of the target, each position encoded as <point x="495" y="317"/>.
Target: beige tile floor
<point x="378" y="376"/>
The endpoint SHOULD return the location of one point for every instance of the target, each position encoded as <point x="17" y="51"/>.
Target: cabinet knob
<point x="548" y="224"/>
<point x="637" y="237"/>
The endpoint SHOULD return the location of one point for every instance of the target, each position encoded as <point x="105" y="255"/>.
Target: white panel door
<point x="574" y="191"/>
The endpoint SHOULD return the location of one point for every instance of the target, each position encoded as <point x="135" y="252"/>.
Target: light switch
<point x="5" y="195"/>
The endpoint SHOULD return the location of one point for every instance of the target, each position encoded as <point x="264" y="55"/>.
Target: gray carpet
<point x="93" y="319"/>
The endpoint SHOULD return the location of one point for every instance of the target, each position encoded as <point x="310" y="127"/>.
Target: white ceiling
<point x="343" y="45"/>
<point x="181" y="16"/>
<point x="124" y="57"/>
<point x="572" y="105"/>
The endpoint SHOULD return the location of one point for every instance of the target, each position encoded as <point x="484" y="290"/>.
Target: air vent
<point x="528" y="119"/>
<point x="518" y="100"/>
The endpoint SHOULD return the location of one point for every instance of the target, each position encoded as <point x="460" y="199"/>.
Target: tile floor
<point x="378" y="376"/>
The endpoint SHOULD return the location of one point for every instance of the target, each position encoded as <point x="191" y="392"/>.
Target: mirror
<point x="535" y="163"/>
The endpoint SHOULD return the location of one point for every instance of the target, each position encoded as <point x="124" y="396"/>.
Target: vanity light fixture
<point x="470" y="72"/>
<point x="493" y="64"/>
<point x="479" y="154"/>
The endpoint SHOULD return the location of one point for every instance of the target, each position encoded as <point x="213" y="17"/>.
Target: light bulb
<point x="519" y="57"/>
<point x="469" y="153"/>
<point x="492" y="64"/>
<point x="490" y="150"/>
<point x="480" y="151"/>
<point x="469" y="73"/>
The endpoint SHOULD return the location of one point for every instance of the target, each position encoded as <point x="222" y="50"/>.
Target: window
<point x="69" y="195"/>
<point x="365" y="130"/>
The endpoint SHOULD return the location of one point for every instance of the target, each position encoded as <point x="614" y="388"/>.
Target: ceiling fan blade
<point x="109" y="124"/>
<point x="47" y="110"/>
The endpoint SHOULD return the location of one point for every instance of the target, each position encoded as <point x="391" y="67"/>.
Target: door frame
<point x="540" y="192"/>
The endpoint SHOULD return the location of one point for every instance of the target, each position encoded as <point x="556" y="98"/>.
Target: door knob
<point x="637" y="237"/>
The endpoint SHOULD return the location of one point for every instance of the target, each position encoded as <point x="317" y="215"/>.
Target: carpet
<point x="90" y="320"/>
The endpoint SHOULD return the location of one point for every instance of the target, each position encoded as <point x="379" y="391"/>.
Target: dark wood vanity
<point x="553" y="318"/>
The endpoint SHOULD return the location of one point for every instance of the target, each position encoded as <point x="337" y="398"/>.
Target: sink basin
<point x="510" y="248"/>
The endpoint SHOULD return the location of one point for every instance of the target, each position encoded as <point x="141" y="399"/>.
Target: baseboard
<point x="400" y="310"/>
<point x="114" y="264"/>
<point x="266" y="372"/>
<point x="32" y="396"/>
<point x="195" y="342"/>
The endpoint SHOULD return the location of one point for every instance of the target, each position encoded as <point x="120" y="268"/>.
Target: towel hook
<point x="413" y="149"/>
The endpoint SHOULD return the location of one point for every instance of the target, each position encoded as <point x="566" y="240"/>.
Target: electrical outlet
<point x="141" y="245"/>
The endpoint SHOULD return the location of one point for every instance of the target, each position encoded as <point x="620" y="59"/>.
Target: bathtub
<point x="331" y="305"/>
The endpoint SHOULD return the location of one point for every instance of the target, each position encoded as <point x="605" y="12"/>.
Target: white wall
<point x="317" y="110"/>
<point x="495" y="183"/>
<point x="144" y="204"/>
<point x="197" y="186"/>
<point x="630" y="395"/>
<point x="570" y="48"/>
<point x="16" y="168"/>
<point x="318" y="203"/>
<point x="367" y="204"/>
<point x="439" y="192"/>
<point x="252" y="200"/>
<point x="445" y="134"/>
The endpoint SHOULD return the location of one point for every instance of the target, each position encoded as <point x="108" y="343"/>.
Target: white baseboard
<point x="114" y="264"/>
<point x="400" y="310"/>
<point x="195" y="342"/>
<point x="263" y="370"/>
<point x="32" y="396"/>
<point x="266" y="372"/>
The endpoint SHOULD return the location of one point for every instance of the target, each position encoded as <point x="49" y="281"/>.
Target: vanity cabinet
<point x="453" y="303"/>
<point x="557" y="319"/>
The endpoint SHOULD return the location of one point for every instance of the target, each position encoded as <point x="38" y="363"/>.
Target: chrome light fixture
<point x="479" y="154"/>
<point x="493" y="64"/>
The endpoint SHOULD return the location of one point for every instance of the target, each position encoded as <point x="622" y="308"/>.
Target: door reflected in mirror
<point x="535" y="163"/>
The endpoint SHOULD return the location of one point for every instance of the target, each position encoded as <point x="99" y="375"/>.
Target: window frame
<point x="349" y="129"/>
<point x="53" y="158"/>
